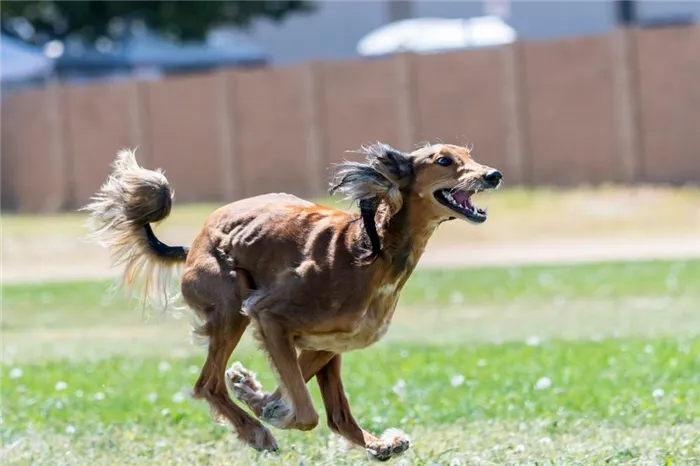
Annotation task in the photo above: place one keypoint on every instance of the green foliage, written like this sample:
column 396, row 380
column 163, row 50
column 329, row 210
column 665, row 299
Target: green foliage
column 185, row 20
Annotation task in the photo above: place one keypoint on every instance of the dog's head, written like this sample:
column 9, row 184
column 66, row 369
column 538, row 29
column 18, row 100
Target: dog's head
column 442, row 178
column 449, row 177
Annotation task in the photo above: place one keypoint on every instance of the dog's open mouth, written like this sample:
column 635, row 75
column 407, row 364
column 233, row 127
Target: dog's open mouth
column 461, row 202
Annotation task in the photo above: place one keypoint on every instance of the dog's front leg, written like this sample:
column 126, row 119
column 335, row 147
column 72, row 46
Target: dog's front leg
column 340, row 420
column 295, row 410
column 246, row 388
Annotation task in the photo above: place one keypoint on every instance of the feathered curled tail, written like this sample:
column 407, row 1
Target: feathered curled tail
column 120, row 217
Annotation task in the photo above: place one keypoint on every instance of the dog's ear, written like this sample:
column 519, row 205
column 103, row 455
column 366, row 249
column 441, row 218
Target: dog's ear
column 384, row 176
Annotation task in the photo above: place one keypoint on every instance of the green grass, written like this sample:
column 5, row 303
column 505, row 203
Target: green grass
column 622, row 384
column 61, row 304
column 592, row 364
column 612, row 381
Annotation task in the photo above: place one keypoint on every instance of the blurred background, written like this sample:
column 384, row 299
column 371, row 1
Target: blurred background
column 587, row 267
column 234, row 99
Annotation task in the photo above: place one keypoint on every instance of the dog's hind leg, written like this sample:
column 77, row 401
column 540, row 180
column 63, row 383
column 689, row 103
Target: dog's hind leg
column 247, row 389
column 342, row 422
column 224, row 326
column 211, row 385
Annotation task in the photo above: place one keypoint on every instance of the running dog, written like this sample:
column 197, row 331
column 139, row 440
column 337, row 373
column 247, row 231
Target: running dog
column 308, row 278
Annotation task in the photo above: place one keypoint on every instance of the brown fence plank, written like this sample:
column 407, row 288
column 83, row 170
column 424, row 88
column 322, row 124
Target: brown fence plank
column 462, row 100
column 360, row 102
column 99, row 123
column 572, row 111
column 669, row 100
column 33, row 168
column 271, row 125
column 183, row 117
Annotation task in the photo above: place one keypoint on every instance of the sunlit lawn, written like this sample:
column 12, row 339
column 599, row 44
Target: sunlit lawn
column 595, row 364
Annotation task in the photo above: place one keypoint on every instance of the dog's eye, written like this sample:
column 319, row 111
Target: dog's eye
column 444, row 161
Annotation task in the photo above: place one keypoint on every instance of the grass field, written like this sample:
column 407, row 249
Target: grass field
column 591, row 364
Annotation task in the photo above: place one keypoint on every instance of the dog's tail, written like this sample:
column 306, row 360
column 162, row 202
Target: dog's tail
column 120, row 218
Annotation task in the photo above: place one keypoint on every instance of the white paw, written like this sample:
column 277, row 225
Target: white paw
column 243, row 384
column 393, row 443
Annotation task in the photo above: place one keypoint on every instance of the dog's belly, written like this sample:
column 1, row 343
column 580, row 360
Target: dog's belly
column 363, row 336
column 370, row 328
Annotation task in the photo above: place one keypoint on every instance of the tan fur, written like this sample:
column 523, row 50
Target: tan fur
column 131, row 198
column 295, row 270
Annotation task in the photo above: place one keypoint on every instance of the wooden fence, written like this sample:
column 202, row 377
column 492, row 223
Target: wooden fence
column 618, row 108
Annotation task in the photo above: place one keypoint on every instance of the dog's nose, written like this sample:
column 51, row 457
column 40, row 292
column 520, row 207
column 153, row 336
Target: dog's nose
column 493, row 177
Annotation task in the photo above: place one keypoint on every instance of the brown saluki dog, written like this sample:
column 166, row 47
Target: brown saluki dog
column 309, row 278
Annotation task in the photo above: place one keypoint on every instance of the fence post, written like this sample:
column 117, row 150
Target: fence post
column 626, row 82
column 234, row 159
column 61, row 163
column 313, row 87
column 519, row 153
column 141, row 110
column 406, row 103
column 138, row 120
column 226, row 133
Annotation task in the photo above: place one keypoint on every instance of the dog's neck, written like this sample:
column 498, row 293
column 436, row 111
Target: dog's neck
column 404, row 235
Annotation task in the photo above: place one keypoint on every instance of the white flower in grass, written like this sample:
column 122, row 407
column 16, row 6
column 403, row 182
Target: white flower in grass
column 546, row 441
column 78, row 393
column 481, row 362
column 99, row 396
column 194, row 369
column 457, row 380
column 543, row 384
column 165, row 412
column 163, row 366
column 520, row 448
column 658, row 393
column 70, row 430
column 179, row 397
column 60, row 386
column 533, row 341
column 400, row 387
column 16, row 373
column 152, row 397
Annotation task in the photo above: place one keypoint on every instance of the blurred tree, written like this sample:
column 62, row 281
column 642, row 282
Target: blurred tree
column 40, row 21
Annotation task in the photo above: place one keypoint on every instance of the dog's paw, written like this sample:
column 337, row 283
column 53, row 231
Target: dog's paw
column 277, row 413
column 243, row 384
column 392, row 443
column 260, row 439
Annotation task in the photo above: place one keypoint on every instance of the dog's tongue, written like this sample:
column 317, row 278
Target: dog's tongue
column 461, row 197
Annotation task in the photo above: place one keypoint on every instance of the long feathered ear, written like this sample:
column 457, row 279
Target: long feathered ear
column 383, row 177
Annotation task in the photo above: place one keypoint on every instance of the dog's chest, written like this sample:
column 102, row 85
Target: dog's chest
column 369, row 329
